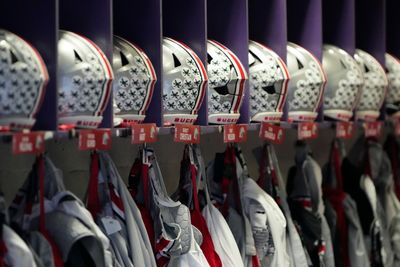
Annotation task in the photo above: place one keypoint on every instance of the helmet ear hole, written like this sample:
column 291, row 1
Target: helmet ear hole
column 366, row 68
column 255, row 56
column 177, row 63
column 78, row 58
column 222, row 90
column 14, row 58
column 299, row 64
column 269, row 89
column 124, row 59
column 343, row 65
column 209, row 59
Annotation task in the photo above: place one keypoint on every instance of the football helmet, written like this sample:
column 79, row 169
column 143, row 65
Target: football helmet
column 23, row 78
column 184, row 83
column 374, row 89
column 393, row 94
column 134, row 82
column 85, row 81
column 226, row 85
column 268, row 80
column 306, row 84
column 345, row 81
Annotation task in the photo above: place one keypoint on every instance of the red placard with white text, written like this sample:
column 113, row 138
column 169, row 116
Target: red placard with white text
column 235, row 133
column 28, row 143
column 187, row 133
column 272, row 133
column 373, row 129
column 307, row 130
column 344, row 130
column 144, row 133
column 95, row 139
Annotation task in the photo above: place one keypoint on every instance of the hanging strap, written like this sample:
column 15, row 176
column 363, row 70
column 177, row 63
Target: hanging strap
column 193, row 174
column 40, row 165
column 202, row 174
column 336, row 160
column 93, row 202
column 146, row 185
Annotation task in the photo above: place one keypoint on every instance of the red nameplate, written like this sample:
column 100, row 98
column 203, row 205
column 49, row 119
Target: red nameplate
column 28, row 143
column 144, row 133
column 235, row 133
column 187, row 133
column 344, row 130
column 95, row 139
column 273, row 133
column 373, row 129
column 307, row 130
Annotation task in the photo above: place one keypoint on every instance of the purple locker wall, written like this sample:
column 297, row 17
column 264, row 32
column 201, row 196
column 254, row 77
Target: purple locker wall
column 339, row 24
column 371, row 31
column 267, row 24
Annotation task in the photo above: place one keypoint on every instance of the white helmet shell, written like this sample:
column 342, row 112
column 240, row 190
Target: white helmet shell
column 393, row 94
column 135, row 78
column 226, row 86
column 345, row 81
column 306, row 85
column 23, row 78
column 184, row 83
column 269, row 79
column 374, row 89
column 85, row 81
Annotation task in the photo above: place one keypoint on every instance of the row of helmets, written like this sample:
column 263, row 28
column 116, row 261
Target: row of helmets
column 87, row 80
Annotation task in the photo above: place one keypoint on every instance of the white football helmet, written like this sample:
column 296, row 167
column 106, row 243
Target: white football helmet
column 184, row 83
column 393, row 94
column 269, row 79
column 135, row 78
column 345, row 81
column 306, row 85
column 23, row 78
column 374, row 89
column 226, row 85
column 85, row 81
